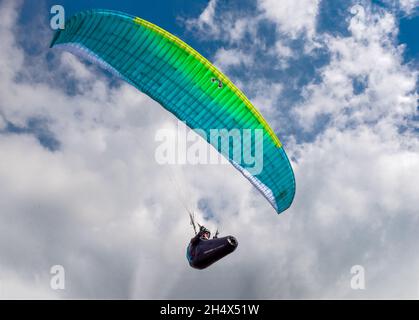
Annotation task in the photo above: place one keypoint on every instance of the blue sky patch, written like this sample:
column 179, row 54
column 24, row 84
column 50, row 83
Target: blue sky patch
column 37, row 127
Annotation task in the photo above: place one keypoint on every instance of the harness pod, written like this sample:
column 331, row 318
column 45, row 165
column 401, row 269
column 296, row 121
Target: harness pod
column 203, row 253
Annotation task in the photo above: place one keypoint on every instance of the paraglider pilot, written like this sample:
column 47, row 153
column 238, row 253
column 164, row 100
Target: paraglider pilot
column 203, row 251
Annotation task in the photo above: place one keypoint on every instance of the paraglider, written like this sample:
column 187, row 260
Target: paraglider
column 190, row 87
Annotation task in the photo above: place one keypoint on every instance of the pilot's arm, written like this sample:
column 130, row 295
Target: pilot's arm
column 197, row 237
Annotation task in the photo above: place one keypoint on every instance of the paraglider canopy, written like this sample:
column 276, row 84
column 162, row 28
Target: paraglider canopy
column 184, row 83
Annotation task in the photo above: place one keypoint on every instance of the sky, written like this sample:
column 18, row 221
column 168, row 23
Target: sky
column 80, row 186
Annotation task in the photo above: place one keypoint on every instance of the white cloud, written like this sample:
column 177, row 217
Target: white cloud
column 226, row 58
column 370, row 55
column 226, row 25
column 409, row 5
column 14, row 286
column 406, row 6
column 206, row 20
column 282, row 51
column 3, row 123
column 292, row 17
